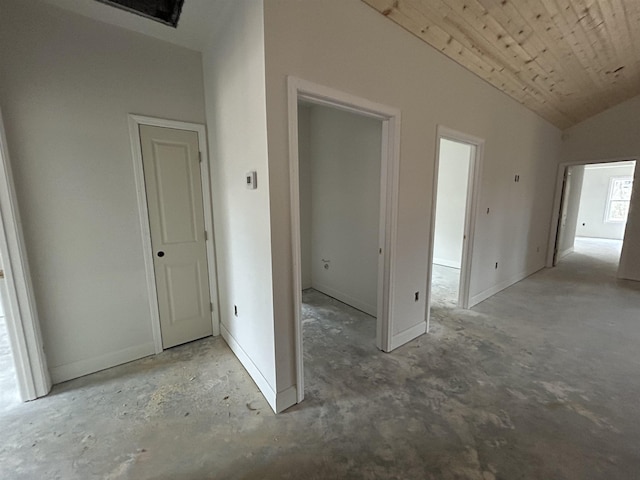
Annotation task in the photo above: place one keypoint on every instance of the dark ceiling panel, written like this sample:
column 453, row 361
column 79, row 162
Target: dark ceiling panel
column 163, row 11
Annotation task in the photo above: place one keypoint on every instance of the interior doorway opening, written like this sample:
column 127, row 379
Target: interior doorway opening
column 455, row 193
column 339, row 156
column 451, row 210
column 378, row 122
column 595, row 200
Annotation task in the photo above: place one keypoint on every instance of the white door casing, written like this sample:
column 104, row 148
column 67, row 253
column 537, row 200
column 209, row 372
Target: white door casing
column 473, row 195
column 176, row 219
column 387, row 339
column 23, row 324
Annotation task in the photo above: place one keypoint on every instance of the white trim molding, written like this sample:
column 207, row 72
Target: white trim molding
column 19, row 303
column 390, row 118
column 69, row 371
column 279, row 401
column 491, row 291
column 143, row 209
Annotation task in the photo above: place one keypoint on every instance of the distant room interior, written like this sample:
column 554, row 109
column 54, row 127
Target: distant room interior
column 339, row 158
column 451, row 211
column 595, row 206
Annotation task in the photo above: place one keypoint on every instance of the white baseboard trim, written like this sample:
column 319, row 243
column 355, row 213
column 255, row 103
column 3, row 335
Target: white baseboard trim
column 565, row 252
column 251, row 368
column 490, row 292
column 69, row 371
column 409, row 334
column 348, row 299
column 447, row 263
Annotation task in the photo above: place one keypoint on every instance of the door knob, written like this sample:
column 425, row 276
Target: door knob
column 161, row 254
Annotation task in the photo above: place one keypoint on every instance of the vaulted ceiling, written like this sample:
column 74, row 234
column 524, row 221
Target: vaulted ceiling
column 564, row 59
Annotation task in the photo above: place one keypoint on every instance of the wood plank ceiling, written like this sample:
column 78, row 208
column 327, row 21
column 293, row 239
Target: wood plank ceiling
column 566, row 60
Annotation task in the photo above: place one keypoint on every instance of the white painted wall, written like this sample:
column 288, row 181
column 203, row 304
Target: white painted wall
column 304, row 159
column 236, row 116
column 66, row 87
column 593, row 202
column 573, row 192
column 382, row 62
column 612, row 134
column 451, row 204
column 343, row 159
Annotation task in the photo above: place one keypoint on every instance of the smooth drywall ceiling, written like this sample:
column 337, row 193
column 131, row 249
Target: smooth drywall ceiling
column 593, row 201
column 352, row 48
column 304, row 160
column 451, row 204
column 612, row 134
column 236, row 117
column 570, row 207
column 67, row 84
column 344, row 155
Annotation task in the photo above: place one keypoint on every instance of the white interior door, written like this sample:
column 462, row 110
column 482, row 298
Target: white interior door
column 171, row 164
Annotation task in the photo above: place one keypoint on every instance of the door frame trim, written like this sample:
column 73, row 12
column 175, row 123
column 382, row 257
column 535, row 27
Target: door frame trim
column 143, row 209
column 471, row 212
column 554, row 230
column 21, row 314
column 298, row 89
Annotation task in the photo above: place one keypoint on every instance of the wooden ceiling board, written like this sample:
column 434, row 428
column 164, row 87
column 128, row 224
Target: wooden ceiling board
column 566, row 60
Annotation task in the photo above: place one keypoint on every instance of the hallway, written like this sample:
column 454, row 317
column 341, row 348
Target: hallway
column 537, row 382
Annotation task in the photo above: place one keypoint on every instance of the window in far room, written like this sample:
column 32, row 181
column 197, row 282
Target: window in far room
column 619, row 198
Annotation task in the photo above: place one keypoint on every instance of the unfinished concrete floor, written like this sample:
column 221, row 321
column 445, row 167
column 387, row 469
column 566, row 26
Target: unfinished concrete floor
column 539, row 382
column 445, row 282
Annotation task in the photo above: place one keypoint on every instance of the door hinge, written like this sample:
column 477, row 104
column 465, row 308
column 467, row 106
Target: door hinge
column 206, row 236
column 1, row 274
column 211, row 306
column 200, row 157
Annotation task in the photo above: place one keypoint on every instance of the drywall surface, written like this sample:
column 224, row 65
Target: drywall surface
column 67, row 84
column 569, row 219
column 344, row 161
column 451, row 204
column 235, row 100
column 352, row 48
column 304, row 159
column 612, row 134
column 593, row 202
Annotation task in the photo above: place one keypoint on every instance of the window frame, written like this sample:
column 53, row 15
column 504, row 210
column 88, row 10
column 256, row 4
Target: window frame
column 611, row 200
